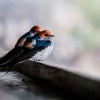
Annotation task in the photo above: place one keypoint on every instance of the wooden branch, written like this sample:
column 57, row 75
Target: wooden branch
column 74, row 84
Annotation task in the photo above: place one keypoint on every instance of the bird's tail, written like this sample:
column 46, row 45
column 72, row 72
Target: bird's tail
column 4, row 61
column 12, row 66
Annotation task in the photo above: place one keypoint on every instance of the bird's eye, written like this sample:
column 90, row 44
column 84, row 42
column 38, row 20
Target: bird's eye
column 46, row 35
column 33, row 30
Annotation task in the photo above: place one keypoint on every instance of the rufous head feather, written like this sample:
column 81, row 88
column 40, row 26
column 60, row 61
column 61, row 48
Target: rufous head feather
column 36, row 28
column 46, row 34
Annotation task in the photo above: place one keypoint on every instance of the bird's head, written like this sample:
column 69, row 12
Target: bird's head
column 46, row 34
column 36, row 29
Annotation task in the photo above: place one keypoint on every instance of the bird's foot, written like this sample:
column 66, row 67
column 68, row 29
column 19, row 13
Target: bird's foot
column 40, row 60
column 24, row 80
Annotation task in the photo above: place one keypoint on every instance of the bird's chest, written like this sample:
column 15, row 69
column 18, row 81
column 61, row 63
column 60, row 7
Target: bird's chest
column 41, row 55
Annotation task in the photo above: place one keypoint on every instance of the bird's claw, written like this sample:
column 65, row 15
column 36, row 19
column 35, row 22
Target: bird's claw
column 24, row 80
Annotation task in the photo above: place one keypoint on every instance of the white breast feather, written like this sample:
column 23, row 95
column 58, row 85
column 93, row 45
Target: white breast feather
column 42, row 55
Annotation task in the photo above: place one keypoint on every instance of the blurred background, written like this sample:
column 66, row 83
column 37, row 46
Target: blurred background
column 75, row 24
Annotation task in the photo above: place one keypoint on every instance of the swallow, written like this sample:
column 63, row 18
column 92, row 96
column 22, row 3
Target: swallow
column 36, row 48
column 19, row 45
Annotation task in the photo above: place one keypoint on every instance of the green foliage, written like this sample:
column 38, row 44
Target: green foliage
column 87, row 39
column 91, row 9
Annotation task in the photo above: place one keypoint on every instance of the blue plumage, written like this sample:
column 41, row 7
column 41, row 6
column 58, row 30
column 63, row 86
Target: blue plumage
column 39, row 42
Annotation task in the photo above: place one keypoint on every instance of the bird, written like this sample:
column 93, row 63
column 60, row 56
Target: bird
column 36, row 48
column 19, row 45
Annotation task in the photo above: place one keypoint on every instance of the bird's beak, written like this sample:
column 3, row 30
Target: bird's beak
column 51, row 35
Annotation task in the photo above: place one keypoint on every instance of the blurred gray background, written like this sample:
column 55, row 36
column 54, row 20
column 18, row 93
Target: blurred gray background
column 75, row 24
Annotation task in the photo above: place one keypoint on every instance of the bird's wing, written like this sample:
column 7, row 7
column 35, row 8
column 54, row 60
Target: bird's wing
column 10, row 56
column 26, row 54
column 22, row 39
